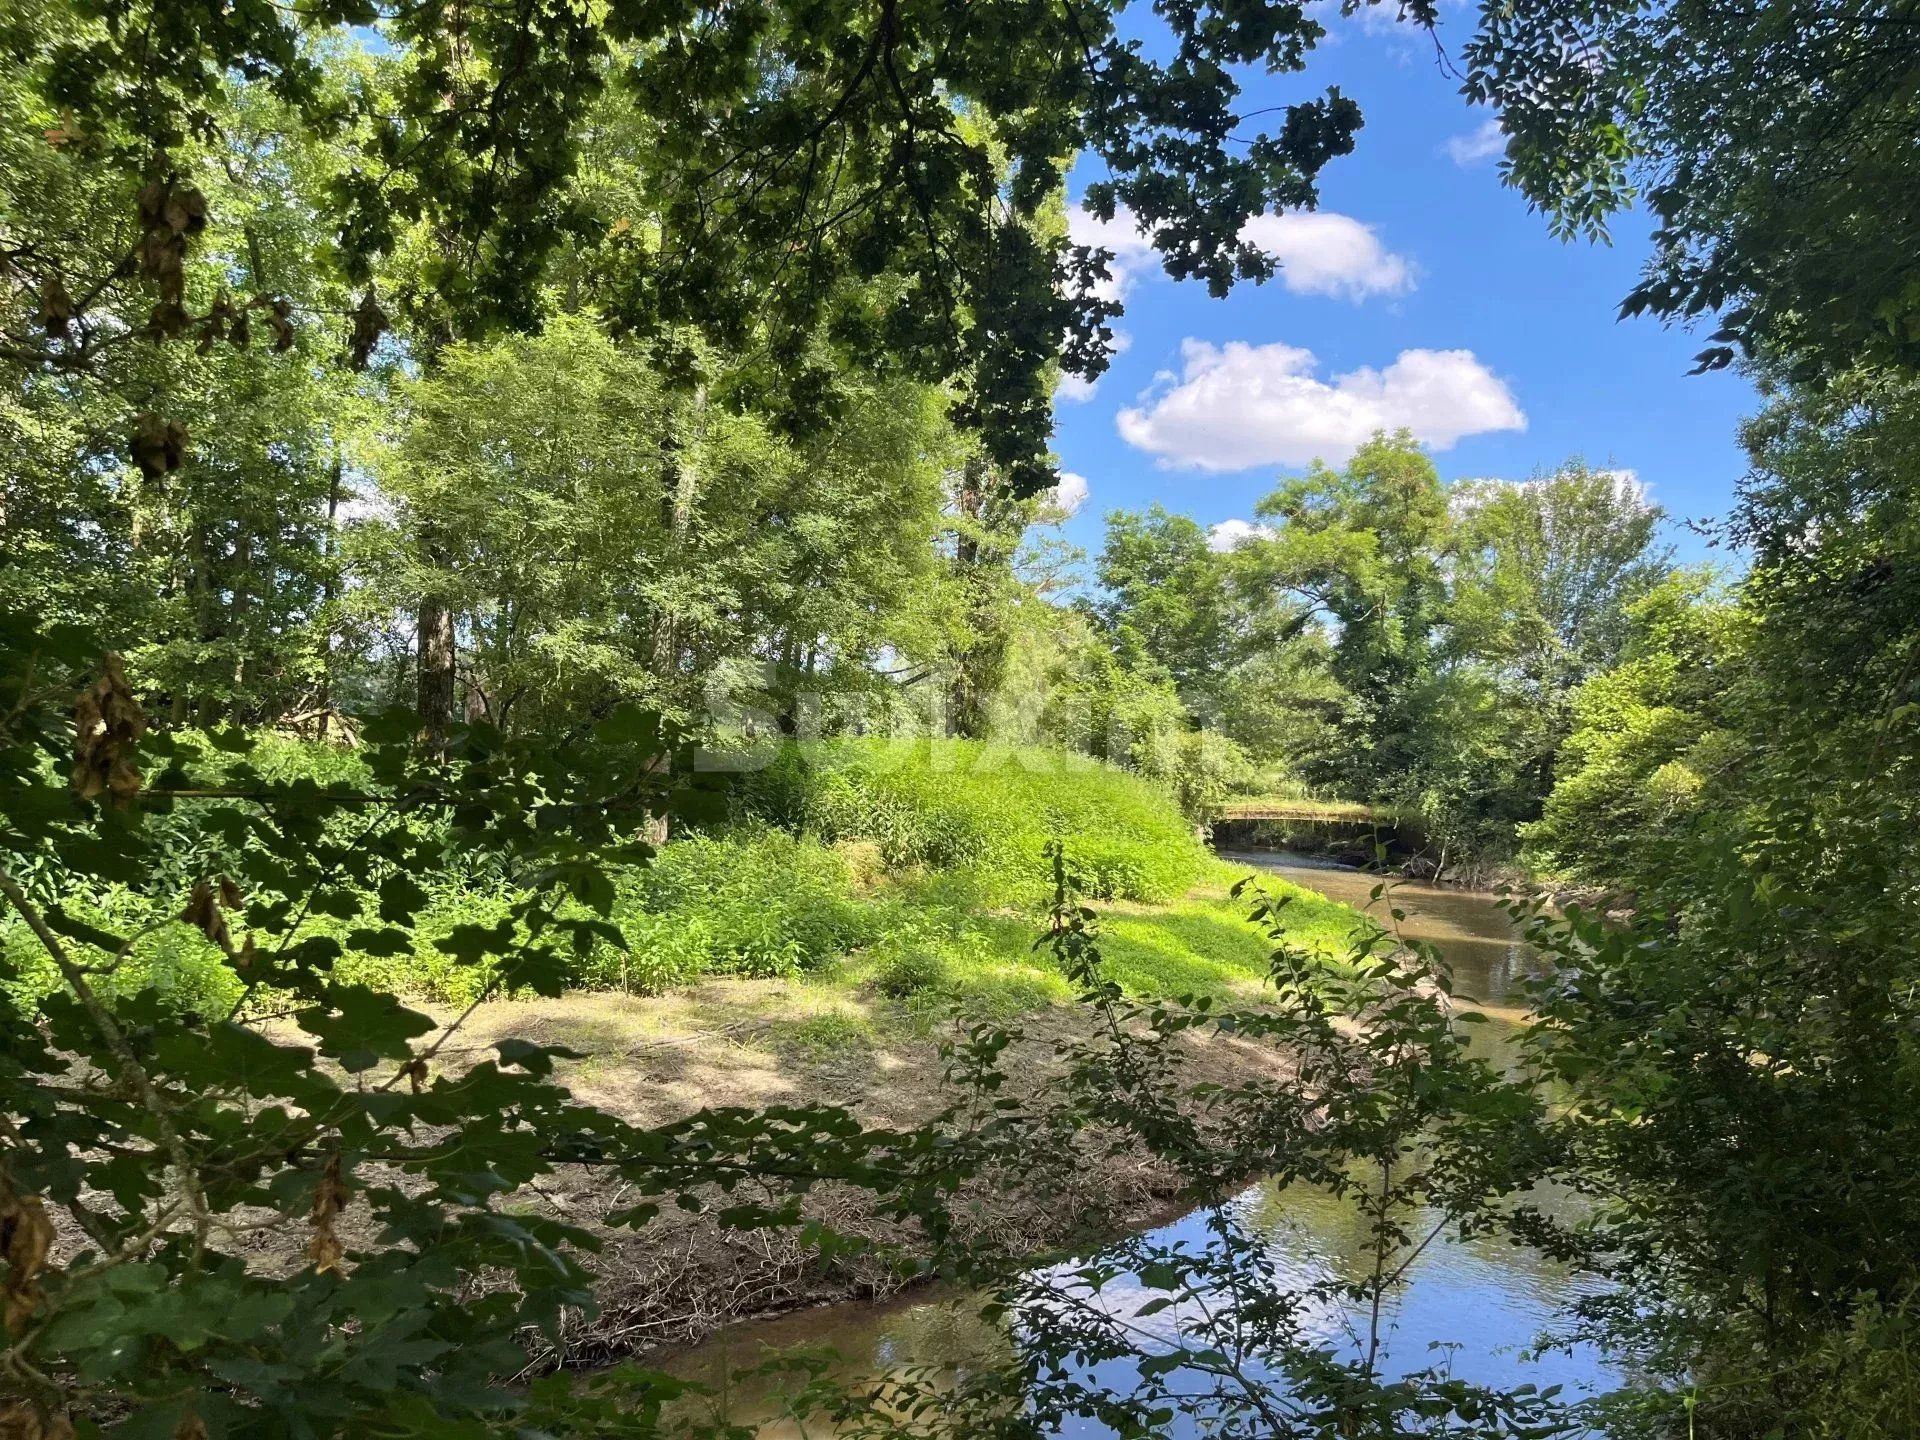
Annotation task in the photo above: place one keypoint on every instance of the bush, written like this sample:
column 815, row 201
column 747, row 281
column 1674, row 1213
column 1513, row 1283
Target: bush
column 753, row 902
column 910, row 972
column 984, row 810
column 173, row 960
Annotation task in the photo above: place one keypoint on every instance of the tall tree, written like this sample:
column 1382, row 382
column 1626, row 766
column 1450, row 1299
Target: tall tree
column 541, row 486
column 211, row 577
column 987, row 525
column 1169, row 602
column 1363, row 548
column 1544, row 574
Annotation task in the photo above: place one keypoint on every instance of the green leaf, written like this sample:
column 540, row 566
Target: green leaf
column 358, row 1025
column 401, row 898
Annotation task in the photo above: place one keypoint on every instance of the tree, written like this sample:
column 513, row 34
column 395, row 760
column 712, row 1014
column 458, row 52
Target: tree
column 791, row 157
column 542, row 490
column 214, row 578
column 1546, row 571
column 1543, row 578
column 1739, row 1053
column 1362, row 547
column 1241, row 654
column 1773, row 149
column 1457, row 624
column 987, row 524
column 1647, row 743
column 1168, row 602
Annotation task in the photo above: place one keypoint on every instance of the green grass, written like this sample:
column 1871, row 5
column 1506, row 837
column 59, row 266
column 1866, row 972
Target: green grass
column 915, row 880
column 984, row 812
column 1204, row 944
column 828, row 1035
column 1201, row 944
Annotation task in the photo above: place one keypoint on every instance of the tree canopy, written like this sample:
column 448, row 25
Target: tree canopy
column 877, row 178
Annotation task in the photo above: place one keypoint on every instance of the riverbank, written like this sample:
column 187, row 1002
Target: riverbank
column 1483, row 1297
column 851, row 1036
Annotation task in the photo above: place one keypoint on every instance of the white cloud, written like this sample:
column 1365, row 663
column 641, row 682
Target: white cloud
column 1321, row 252
column 1477, row 145
column 1073, row 390
column 1629, row 485
column 1122, row 234
column 1237, row 405
column 1232, row 534
column 1071, row 493
column 1325, row 253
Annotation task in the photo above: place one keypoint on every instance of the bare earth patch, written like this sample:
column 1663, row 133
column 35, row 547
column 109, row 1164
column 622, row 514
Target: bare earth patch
column 753, row 1043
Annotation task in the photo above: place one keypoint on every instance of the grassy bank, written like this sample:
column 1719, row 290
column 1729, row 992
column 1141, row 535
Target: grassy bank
column 911, row 872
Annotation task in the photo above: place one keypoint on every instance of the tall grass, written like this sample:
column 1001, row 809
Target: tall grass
column 984, row 811
column 919, row 866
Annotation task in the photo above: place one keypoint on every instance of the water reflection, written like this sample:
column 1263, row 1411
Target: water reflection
column 1473, row 1306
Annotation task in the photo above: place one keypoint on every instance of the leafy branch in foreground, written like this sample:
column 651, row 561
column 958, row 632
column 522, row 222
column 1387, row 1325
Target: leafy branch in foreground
column 293, row 1220
column 306, row 1217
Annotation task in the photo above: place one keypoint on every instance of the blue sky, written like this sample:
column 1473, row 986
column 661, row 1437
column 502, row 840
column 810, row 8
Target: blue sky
column 1432, row 297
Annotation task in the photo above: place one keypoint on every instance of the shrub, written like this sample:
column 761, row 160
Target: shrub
column 172, row 960
column 756, row 901
column 909, row 972
column 662, row 951
column 986, row 810
column 1201, row 768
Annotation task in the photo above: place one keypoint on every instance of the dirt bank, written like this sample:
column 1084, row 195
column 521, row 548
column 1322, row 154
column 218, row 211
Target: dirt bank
column 747, row 1043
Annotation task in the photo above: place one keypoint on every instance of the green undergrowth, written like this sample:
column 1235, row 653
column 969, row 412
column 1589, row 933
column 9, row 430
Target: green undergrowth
column 983, row 811
column 913, row 877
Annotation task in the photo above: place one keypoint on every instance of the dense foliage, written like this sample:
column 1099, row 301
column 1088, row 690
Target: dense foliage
column 1383, row 637
column 1739, row 1049
column 519, row 363
column 988, row 811
column 814, row 187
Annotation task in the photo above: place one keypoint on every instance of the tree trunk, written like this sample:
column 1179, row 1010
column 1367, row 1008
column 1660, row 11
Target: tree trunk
column 242, row 605
column 329, row 591
column 201, row 705
column 980, row 556
column 679, row 494
column 435, row 670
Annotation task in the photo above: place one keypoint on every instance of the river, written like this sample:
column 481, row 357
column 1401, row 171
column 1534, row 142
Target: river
column 1485, row 1298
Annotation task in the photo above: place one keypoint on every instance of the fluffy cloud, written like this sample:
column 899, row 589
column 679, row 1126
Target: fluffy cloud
column 1629, row 484
column 1324, row 253
column 1477, row 145
column 1071, row 493
column 1237, row 405
column 1232, row 534
column 1320, row 252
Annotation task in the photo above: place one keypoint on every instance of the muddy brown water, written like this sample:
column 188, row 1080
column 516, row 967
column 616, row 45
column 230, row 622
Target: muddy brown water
column 1485, row 1300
